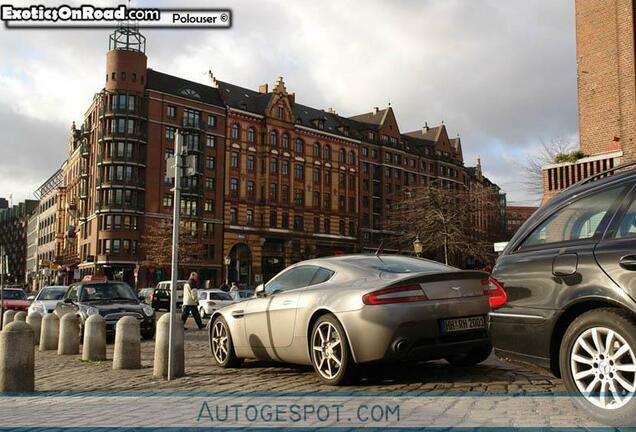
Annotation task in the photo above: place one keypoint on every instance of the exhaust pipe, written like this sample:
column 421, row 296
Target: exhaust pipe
column 400, row 346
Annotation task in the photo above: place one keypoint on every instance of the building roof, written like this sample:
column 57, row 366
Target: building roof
column 375, row 117
column 427, row 134
column 183, row 88
column 243, row 98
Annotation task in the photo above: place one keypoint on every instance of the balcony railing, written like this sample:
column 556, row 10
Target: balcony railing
column 192, row 123
column 135, row 158
column 139, row 134
column 104, row 182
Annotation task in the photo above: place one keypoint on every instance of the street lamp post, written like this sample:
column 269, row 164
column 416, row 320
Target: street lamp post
column 227, row 261
column 418, row 246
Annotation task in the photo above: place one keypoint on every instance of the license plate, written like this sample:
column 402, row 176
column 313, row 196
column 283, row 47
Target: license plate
column 462, row 324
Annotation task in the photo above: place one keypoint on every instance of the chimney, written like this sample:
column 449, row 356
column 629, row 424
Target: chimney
column 375, row 110
column 425, row 128
column 212, row 79
column 262, row 88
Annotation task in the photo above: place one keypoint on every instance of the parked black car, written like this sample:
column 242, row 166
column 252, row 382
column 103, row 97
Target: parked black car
column 570, row 276
column 157, row 298
column 112, row 300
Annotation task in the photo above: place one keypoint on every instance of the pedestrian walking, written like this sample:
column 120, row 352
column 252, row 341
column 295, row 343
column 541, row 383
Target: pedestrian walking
column 191, row 300
column 234, row 287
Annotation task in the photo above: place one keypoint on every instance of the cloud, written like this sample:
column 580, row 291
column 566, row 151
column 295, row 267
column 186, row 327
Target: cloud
column 501, row 74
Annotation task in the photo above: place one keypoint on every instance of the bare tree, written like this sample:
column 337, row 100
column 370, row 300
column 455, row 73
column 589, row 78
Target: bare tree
column 550, row 152
column 157, row 244
column 450, row 222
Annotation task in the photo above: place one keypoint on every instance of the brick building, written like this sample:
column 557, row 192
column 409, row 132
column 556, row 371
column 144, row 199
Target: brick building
column 606, row 76
column 515, row 217
column 276, row 181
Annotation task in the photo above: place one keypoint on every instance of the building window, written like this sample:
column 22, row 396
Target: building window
column 209, row 206
column 299, row 172
column 300, row 147
column 210, row 162
column 281, row 112
column 250, row 163
column 285, row 221
column 285, row 141
column 235, row 131
column 342, row 228
column 327, row 153
column 211, row 141
column 233, row 216
column 341, row 203
column 171, row 111
column 352, row 182
column 341, row 179
column 316, row 175
column 327, row 226
column 328, row 177
column 167, row 200
column 317, row 151
column 352, row 229
column 299, row 197
column 273, row 166
column 316, row 224
column 298, row 223
column 249, row 217
column 341, row 156
column 285, row 193
column 316, row 200
column 272, row 219
column 285, row 167
column 273, row 138
column 327, row 201
column 251, row 135
column 212, row 121
column 250, row 188
column 170, row 132
column 352, row 158
column 365, row 151
column 210, row 183
column 234, row 186
column 191, row 118
column 273, row 191
column 234, row 160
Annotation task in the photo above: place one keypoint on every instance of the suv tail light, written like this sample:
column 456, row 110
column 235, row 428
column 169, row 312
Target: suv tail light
column 400, row 294
column 210, row 302
column 495, row 291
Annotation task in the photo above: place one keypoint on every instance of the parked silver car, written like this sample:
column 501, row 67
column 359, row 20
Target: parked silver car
column 335, row 313
column 47, row 298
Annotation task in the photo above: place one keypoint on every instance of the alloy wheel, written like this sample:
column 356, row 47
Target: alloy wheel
column 220, row 342
column 327, row 350
column 604, row 367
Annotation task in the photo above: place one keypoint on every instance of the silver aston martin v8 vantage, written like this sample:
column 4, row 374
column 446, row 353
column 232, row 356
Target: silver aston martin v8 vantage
column 338, row 312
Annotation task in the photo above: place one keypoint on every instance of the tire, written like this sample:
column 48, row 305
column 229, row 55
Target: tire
column 328, row 345
column 224, row 357
column 202, row 313
column 472, row 357
column 606, row 367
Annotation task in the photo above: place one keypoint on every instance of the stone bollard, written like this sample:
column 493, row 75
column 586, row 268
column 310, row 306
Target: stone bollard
column 127, row 353
column 94, row 348
column 69, row 340
column 34, row 319
column 17, row 358
column 20, row 316
column 160, row 368
column 8, row 317
column 49, row 332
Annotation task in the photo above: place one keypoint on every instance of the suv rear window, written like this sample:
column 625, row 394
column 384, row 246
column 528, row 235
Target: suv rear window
column 578, row 221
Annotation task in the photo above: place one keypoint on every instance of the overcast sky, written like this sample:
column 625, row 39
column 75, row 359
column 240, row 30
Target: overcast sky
column 500, row 73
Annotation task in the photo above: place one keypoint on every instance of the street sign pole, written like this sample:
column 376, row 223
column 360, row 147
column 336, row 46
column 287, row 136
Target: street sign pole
column 2, row 266
column 176, row 204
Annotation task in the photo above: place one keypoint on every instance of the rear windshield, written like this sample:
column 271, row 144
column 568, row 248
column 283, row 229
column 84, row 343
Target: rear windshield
column 14, row 295
column 220, row 296
column 107, row 291
column 52, row 293
column 393, row 264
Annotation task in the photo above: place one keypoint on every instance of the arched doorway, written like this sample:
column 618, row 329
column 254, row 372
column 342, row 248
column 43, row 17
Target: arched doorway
column 240, row 268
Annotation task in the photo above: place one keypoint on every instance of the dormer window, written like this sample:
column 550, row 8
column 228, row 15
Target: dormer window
column 281, row 112
column 188, row 92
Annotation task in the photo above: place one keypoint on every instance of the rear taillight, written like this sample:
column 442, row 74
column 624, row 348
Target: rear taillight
column 497, row 296
column 210, row 302
column 152, row 297
column 400, row 294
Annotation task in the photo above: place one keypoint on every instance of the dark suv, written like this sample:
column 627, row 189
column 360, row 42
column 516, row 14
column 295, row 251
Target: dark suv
column 112, row 300
column 570, row 276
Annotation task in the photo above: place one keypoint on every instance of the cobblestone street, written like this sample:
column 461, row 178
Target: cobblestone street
column 59, row 373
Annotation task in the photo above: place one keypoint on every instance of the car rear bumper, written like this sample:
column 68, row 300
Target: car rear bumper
column 406, row 331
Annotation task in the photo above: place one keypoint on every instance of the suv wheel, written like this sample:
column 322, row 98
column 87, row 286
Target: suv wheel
column 598, row 363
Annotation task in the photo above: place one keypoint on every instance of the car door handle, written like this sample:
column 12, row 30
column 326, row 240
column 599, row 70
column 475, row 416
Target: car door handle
column 565, row 264
column 287, row 302
column 628, row 262
column 238, row 313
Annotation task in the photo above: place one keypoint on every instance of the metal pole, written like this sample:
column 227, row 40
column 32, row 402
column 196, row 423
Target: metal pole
column 175, row 252
column 2, row 265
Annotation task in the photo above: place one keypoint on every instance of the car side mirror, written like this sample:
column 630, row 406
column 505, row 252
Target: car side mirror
column 260, row 290
column 31, row 298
